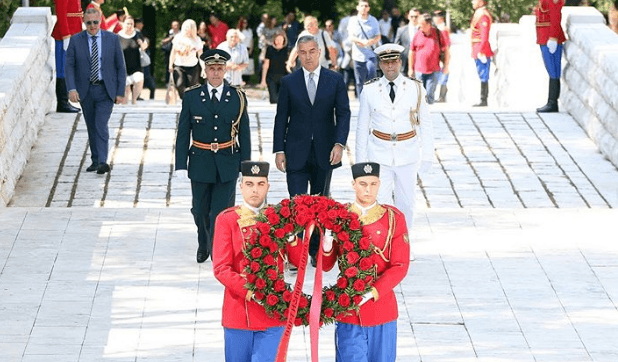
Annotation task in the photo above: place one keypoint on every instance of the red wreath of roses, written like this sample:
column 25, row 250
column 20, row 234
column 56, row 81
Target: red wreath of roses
column 275, row 224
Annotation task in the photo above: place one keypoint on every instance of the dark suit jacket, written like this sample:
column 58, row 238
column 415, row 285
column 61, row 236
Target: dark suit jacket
column 200, row 120
column 403, row 38
column 298, row 123
column 77, row 64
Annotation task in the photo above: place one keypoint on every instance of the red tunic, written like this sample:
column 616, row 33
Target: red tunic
column 392, row 256
column 217, row 33
column 481, row 25
column 69, row 14
column 548, row 18
column 232, row 229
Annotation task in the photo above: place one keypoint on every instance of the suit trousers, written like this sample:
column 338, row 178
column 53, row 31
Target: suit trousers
column 315, row 176
column 209, row 199
column 251, row 346
column 97, row 107
column 399, row 182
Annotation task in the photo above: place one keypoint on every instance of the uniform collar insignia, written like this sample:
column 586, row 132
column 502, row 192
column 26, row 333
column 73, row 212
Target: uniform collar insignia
column 227, row 94
column 202, row 94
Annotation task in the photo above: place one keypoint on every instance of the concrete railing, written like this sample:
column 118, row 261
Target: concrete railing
column 27, row 91
column 590, row 77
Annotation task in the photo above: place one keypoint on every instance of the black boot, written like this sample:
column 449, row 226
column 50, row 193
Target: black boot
column 552, row 100
column 484, row 93
column 62, row 96
column 443, row 91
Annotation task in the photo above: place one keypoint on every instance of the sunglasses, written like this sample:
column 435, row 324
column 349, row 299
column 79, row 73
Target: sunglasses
column 93, row 22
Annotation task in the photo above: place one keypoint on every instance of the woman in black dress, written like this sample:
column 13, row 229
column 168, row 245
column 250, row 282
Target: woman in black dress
column 131, row 41
column 273, row 68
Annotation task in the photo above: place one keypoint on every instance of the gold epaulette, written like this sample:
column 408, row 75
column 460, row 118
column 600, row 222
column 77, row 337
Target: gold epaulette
column 372, row 80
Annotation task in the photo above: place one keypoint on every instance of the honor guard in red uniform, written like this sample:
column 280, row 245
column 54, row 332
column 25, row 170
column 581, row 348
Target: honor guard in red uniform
column 371, row 333
column 481, row 50
column 250, row 334
column 69, row 22
column 550, row 37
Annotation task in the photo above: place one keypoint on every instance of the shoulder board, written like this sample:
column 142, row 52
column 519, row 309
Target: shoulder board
column 414, row 79
column 372, row 80
column 193, row 87
column 393, row 208
column 237, row 87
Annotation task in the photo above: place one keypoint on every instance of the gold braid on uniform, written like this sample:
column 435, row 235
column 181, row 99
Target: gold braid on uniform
column 372, row 80
column 389, row 238
column 235, row 125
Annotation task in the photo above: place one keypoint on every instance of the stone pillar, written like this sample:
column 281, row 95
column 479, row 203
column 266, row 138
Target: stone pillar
column 27, row 90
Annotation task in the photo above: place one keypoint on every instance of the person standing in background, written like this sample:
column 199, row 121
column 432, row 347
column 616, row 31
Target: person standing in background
column 404, row 37
column 386, row 27
column 325, row 44
column 239, row 59
column 149, row 81
column 274, row 66
column 131, row 42
column 217, row 30
column 166, row 46
column 202, row 32
column 69, row 23
column 96, row 77
column 291, row 26
column 438, row 19
column 550, row 37
column 481, row 50
column 184, row 60
column 364, row 33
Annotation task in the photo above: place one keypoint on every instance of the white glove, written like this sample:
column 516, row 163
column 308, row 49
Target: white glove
column 327, row 241
column 482, row 58
column 366, row 297
column 65, row 43
column 425, row 167
column 181, row 174
column 552, row 45
column 291, row 238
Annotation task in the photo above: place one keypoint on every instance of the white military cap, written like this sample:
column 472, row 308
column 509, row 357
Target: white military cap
column 389, row 51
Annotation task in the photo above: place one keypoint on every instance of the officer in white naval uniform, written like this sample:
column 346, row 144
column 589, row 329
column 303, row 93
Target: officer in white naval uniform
column 395, row 130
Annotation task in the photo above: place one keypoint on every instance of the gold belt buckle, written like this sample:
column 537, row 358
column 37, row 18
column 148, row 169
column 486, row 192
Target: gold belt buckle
column 214, row 147
column 394, row 137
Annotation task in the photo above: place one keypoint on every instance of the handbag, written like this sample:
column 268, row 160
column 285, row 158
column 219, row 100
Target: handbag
column 144, row 59
column 171, row 95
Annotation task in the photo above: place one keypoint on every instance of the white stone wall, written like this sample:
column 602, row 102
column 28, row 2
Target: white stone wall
column 590, row 78
column 27, row 90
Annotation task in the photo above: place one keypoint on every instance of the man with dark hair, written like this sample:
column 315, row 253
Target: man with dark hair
column 481, row 50
column 364, row 33
column 217, row 30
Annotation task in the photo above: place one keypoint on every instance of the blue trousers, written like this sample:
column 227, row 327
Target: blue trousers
column 252, row 346
column 59, row 59
column 483, row 69
column 366, row 344
column 553, row 62
column 442, row 78
column 364, row 71
column 97, row 107
column 430, row 81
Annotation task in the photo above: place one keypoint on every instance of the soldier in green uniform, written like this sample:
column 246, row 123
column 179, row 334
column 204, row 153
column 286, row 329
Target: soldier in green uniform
column 213, row 135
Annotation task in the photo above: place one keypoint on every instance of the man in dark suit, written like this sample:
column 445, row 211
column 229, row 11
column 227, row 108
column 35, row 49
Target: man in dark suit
column 215, row 116
column 405, row 35
column 311, row 125
column 95, row 75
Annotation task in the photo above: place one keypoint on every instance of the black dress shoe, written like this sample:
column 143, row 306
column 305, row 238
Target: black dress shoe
column 103, row 168
column 66, row 108
column 92, row 167
column 202, row 256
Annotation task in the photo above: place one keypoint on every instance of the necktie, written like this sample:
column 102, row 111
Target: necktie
column 94, row 61
column 311, row 88
column 215, row 101
column 392, row 92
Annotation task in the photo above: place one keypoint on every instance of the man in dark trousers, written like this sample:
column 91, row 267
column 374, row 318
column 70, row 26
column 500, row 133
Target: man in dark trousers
column 214, row 116
column 95, row 75
column 69, row 23
column 311, row 125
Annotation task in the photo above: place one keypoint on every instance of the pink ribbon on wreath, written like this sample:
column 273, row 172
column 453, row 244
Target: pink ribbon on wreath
column 316, row 300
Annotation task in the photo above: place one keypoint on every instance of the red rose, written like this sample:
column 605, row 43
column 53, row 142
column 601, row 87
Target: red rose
column 269, row 260
column 260, row 283
column 352, row 257
column 279, row 286
column 301, row 219
column 269, row 211
column 343, row 236
column 285, row 211
column 328, row 312
column 368, row 279
column 357, row 299
column 272, row 300
column 351, row 272
column 330, row 295
column 328, row 225
column 256, row 253
column 332, row 214
column 322, row 216
column 273, row 219
column 272, row 274
column 258, row 295
column 265, row 240
column 348, row 246
column 303, row 302
column 255, row 266
column 288, row 228
column 355, row 224
column 251, row 278
column 364, row 243
column 286, row 312
column 263, row 227
column 359, row 285
column 344, row 300
column 272, row 247
column 287, row 297
column 336, row 228
column 342, row 283
column 343, row 213
column 285, row 202
column 322, row 206
column 365, row 264
column 280, row 233
column 298, row 322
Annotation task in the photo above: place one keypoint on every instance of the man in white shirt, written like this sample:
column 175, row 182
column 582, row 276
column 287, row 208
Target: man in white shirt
column 364, row 33
column 325, row 44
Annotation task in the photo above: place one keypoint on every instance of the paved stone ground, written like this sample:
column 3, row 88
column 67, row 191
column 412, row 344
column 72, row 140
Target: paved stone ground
column 515, row 246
